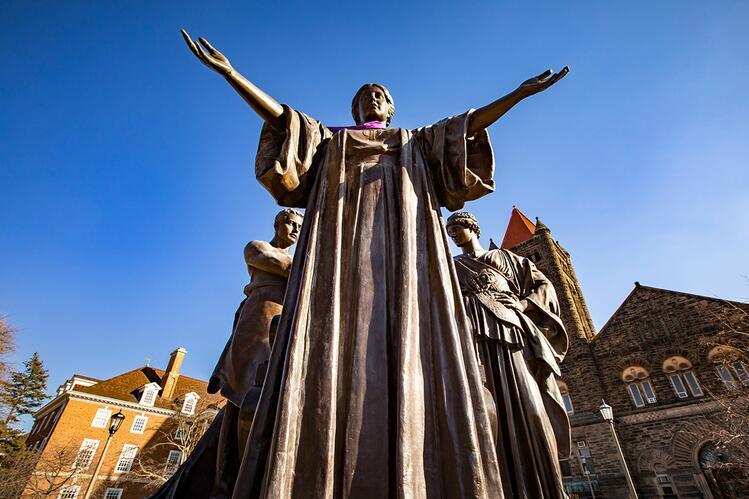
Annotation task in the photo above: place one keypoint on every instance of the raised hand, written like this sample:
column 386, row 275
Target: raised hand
column 485, row 116
column 541, row 82
column 208, row 55
column 263, row 104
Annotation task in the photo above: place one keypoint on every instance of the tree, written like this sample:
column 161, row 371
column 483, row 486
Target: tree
column 26, row 390
column 37, row 474
column 179, row 433
column 7, row 346
column 726, row 457
column 22, row 395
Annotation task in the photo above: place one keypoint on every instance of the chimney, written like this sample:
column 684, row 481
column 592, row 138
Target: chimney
column 171, row 375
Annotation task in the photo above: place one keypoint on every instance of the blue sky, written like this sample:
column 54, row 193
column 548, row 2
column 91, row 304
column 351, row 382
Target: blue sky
column 127, row 166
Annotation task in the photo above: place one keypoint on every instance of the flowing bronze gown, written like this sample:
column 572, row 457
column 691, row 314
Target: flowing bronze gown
column 373, row 389
column 520, row 353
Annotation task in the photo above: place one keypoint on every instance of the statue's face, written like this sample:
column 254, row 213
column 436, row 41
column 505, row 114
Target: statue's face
column 372, row 105
column 287, row 229
column 460, row 235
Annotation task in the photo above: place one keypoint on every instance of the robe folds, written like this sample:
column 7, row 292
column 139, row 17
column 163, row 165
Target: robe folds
column 373, row 389
column 520, row 353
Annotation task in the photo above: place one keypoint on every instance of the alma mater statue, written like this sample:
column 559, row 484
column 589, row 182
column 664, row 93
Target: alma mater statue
column 514, row 316
column 373, row 389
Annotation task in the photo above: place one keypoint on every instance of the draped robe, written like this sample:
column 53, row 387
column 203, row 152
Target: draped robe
column 373, row 389
column 520, row 353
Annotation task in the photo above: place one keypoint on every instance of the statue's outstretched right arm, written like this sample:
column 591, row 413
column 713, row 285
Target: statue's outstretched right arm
column 263, row 104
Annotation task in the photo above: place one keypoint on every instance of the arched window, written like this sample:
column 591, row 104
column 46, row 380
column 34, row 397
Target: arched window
column 638, row 385
column 731, row 370
column 565, row 391
column 681, row 374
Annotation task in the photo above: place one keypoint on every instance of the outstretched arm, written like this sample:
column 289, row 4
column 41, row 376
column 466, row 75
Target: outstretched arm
column 482, row 118
column 263, row 104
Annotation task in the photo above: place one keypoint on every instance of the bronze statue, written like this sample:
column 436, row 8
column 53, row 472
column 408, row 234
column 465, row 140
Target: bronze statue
column 514, row 316
column 212, row 467
column 268, row 264
column 373, row 389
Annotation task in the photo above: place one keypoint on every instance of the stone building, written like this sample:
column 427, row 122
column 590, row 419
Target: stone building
column 665, row 361
column 71, row 431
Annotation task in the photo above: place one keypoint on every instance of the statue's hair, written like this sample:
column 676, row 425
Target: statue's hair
column 465, row 219
column 285, row 214
column 357, row 96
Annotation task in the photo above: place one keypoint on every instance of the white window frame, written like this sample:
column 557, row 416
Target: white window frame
column 171, row 467
column 681, row 389
column 66, row 491
column 639, row 390
column 149, row 395
column 101, row 418
column 741, row 372
column 665, row 480
column 726, row 376
column 568, row 407
column 89, row 445
column 113, row 493
column 127, row 457
column 136, row 420
column 190, row 403
column 694, row 387
column 638, row 398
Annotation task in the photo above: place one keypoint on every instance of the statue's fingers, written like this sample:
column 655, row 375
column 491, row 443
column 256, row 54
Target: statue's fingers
column 544, row 75
column 187, row 38
column 558, row 76
column 208, row 46
column 190, row 44
column 203, row 55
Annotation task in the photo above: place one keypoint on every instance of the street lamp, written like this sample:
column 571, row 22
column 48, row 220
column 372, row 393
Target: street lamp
column 607, row 413
column 114, row 424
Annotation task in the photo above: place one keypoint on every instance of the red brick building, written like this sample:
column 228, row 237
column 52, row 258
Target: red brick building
column 71, row 431
column 665, row 361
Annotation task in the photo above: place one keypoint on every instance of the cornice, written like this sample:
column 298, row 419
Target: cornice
column 671, row 413
column 88, row 397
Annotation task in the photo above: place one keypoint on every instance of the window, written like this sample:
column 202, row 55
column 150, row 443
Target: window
column 726, row 377
column 139, row 424
column 113, row 493
column 667, row 487
column 731, row 370
column 101, row 419
column 150, row 392
column 565, row 392
column 586, row 459
column 564, row 465
column 86, row 454
column 191, row 400
column 127, row 456
column 172, row 463
column 638, row 385
column 178, row 435
column 69, row 492
column 681, row 374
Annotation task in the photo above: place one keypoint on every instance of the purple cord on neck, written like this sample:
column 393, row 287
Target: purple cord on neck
column 363, row 126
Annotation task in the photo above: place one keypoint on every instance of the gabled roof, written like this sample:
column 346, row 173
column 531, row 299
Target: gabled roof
column 639, row 288
column 126, row 387
column 519, row 229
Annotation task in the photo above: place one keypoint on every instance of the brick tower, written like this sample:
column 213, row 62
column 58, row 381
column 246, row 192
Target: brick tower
column 581, row 377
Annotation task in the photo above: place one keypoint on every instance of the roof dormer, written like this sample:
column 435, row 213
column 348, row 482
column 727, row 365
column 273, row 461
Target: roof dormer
column 148, row 394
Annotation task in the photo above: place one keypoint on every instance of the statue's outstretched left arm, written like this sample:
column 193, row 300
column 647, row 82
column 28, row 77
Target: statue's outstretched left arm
column 485, row 116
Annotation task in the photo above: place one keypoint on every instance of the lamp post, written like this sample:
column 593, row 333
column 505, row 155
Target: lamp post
column 114, row 424
column 590, row 484
column 607, row 413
